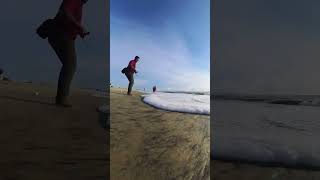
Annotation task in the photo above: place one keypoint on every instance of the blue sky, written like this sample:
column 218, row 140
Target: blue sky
column 172, row 37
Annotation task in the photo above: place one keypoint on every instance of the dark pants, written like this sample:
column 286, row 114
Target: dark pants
column 65, row 50
column 131, row 81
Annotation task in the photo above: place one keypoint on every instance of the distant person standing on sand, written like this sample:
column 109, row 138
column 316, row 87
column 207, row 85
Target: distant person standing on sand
column 66, row 27
column 129, row 72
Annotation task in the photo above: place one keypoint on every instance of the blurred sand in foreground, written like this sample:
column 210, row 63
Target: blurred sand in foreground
column 148, row 143
column 41, row 141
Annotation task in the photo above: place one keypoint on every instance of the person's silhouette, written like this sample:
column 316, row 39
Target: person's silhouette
column 129, row 72
column 1, row 74
column 65, row 29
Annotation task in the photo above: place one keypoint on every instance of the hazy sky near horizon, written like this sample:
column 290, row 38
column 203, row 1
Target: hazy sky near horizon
column 267, row 46
column 27, row 57
column 172, row 37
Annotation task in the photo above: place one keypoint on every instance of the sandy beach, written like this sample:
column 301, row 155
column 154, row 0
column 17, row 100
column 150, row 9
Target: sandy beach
column 42, row 141
column 148, row 143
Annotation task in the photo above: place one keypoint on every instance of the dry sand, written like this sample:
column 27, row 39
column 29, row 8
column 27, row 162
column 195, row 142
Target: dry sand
column 41, row 141
column 147, row 143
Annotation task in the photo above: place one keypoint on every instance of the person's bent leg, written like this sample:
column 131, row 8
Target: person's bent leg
column 65, row 50
column 129, row 79
column 131, row 82
column 68, row 69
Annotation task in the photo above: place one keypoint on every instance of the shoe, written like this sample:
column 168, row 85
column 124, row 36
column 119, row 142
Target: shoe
column 63, row 102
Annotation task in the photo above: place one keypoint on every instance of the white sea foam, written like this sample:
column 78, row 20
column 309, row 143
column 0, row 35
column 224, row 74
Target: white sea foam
column 268, row 133
column 179, row 102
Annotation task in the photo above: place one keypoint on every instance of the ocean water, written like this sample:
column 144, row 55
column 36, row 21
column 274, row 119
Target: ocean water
column 266, row 133
column 179, row 102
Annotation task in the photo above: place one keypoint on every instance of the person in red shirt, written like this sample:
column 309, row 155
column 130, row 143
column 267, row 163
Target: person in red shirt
column 66, row 27
column 130, row 70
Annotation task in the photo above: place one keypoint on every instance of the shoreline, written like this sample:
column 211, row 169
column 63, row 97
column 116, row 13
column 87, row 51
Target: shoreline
column 186, row 105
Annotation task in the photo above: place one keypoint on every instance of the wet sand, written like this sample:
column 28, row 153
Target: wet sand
column 241, row 171
column 148, row 143
column 41, row 141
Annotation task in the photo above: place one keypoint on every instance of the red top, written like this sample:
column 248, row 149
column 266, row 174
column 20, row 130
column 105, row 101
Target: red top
column 132, row 66
column 74, row 7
